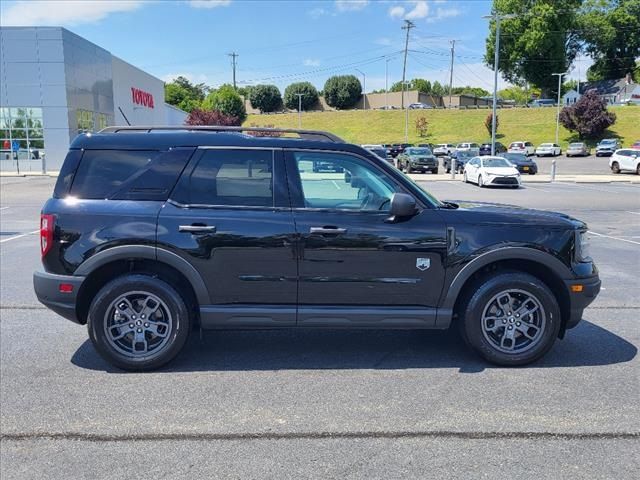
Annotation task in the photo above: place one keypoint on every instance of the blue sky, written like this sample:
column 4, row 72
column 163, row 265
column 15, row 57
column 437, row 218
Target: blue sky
column 278, row 42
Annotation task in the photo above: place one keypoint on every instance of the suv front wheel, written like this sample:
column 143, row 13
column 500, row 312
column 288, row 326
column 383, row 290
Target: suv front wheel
column 511, row 319
column 138, row 322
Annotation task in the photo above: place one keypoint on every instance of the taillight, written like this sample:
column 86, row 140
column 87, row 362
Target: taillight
column 46, row 233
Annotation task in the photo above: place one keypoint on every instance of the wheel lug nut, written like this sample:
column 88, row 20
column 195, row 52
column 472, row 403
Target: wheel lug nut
column 518, row 324
column 139, row 330
column 510, row 327
column 131, row 325
column 133, row 316
column 142, row 316
column 504, row 321
column 517, row 314
column 146, row 325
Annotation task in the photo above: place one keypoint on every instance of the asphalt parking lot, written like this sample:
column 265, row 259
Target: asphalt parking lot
column 328, row 404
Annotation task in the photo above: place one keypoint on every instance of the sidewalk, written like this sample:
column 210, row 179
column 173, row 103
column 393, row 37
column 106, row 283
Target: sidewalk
column 29, row 174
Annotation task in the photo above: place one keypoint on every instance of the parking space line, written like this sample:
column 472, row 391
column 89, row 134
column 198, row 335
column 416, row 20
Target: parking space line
column 3, row 208
column 634, row 213
column 614, row 238
column 15, row 237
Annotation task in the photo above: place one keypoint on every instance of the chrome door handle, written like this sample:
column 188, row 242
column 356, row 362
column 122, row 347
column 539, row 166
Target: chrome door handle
column 327, row 230
column 196, row 229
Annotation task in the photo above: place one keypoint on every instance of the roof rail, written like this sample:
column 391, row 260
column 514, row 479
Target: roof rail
column 317, row 135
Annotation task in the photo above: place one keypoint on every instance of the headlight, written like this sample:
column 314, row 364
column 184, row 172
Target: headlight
column 583, row 246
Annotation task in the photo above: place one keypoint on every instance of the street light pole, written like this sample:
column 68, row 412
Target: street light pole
column 558, row 107
column 496, row 62
column 386, row 83
column 406, row 118
column 364, row 88
column 300, row 95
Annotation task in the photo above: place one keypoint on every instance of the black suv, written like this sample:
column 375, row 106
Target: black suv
column 151, row 232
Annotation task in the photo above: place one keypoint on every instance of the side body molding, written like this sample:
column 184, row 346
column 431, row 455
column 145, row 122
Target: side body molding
column 445, row 312
column 126, row 252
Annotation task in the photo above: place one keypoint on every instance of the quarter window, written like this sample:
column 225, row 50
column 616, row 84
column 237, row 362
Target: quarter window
column 233, row 177
column 343, row 182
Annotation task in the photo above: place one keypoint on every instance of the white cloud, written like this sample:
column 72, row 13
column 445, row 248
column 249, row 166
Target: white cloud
column 351, row 5
column 384, row 41
column 209, row 3
column 311, row 62
column 420, row 10
column 396, row 12
column 63, row 12
column 442, row 13
column 317, row 12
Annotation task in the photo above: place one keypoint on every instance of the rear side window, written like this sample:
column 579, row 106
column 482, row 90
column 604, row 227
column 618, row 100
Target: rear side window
column 234, row 178
column 102, row 172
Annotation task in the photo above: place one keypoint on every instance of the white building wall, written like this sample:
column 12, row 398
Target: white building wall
column 140, row 112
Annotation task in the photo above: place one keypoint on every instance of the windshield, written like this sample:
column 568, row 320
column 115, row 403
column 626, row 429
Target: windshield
column 546, row 144
column 576, row 145
column 464, row 154
column 495, row 162
column 418, row 151
column 607, row 141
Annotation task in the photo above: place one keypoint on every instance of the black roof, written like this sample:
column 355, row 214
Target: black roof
column 162, row 140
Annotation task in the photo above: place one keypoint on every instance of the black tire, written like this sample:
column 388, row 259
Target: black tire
column 615, row 167
column 448, row 170
column 472, row 311
column 178, row 320
column 480, row 182
column 434, row 171
column 638, row 169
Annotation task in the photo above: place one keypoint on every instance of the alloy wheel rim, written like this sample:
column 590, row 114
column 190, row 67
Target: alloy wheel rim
column 138, row 324
column 513, row 321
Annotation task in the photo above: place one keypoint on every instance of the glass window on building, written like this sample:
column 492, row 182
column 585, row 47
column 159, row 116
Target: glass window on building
column 88, row 121
column 21, row 139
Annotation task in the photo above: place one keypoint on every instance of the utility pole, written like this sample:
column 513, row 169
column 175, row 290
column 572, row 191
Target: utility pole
column 453, row 47
column 386, row 82
column 408, row 25
column 364, row 88
column 233, row 56
column 558, row 109
column 300, row 95
column 496, row 62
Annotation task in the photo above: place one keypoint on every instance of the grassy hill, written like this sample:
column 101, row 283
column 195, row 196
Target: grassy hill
column 537, row 125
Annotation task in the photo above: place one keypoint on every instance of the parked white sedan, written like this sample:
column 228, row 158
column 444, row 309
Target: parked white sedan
column 491, row 171
column 548, row 149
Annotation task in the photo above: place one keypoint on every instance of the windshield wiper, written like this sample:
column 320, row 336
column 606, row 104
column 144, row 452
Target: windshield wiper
column 449, row 205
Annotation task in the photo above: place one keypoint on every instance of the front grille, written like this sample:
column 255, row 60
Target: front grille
column 505, row 181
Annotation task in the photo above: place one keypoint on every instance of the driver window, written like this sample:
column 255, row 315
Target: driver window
column 339, row 181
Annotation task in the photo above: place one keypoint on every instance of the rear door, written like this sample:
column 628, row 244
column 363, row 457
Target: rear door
column 230, row 217
column 356, row 267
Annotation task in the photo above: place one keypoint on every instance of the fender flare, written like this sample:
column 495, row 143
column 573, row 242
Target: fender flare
column 148, row 252
column 504, row 253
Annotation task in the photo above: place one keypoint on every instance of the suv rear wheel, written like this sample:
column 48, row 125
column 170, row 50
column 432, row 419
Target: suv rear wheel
column 138, row 322
column 511, row 319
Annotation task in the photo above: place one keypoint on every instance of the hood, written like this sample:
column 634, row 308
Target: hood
column 500, row 170
column 494, row 213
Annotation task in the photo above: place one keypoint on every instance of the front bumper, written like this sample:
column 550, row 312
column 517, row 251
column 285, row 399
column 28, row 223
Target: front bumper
column 527, row 169
column 47, row 288
column 604, row 152
column 498, row 181
column 578, row 301
column 423, row 167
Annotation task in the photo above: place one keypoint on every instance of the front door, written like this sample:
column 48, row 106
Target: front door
column 355, row 266
column 229, row 216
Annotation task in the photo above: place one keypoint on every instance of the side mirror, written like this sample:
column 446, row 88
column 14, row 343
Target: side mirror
column 401, row 205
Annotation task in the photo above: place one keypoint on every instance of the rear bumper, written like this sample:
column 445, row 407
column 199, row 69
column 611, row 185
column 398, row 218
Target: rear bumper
column 581, row 300
column 47, row 288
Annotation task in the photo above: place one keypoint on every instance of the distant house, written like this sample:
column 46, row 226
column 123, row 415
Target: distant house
column 619, row 91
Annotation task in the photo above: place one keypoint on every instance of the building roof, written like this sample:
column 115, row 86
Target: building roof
column 605, row 87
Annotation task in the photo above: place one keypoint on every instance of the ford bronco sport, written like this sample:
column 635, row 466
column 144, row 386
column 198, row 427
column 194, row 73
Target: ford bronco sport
column 152, row 231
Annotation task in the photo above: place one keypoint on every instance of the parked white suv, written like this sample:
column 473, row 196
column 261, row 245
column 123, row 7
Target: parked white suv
column 550, row 149
column 444, row 149
column 625, row 160
column 473, row 148
column 522, row 147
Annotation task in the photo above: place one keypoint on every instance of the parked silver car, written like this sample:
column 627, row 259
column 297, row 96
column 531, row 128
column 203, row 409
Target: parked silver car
column 578, row 149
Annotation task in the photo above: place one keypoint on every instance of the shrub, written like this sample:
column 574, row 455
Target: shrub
column 309, row 98
column 421, row 126
column 265, row 98
column 342, row 91
column 588, row 116
column 227, row 101
column 211, row 117
column 488, row 123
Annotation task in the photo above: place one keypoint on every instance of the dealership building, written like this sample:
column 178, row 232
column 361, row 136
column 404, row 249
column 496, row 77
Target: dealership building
column 55, row 84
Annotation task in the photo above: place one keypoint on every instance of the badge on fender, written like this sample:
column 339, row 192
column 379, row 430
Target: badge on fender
column 423, row 263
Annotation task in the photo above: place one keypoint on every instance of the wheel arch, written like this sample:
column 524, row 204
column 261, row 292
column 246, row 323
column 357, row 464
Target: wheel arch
column 111, row 263
column 541, row 265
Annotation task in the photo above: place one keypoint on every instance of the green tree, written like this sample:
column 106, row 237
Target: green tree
column 342, row 91
column 226, row 100
column 183, row 94
column 309, row 95
column 419, row 84
column 475, row 91
column 265, row 98
column 611, row 32
column 539, row 41
column 438, row 89
column 518, row 94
